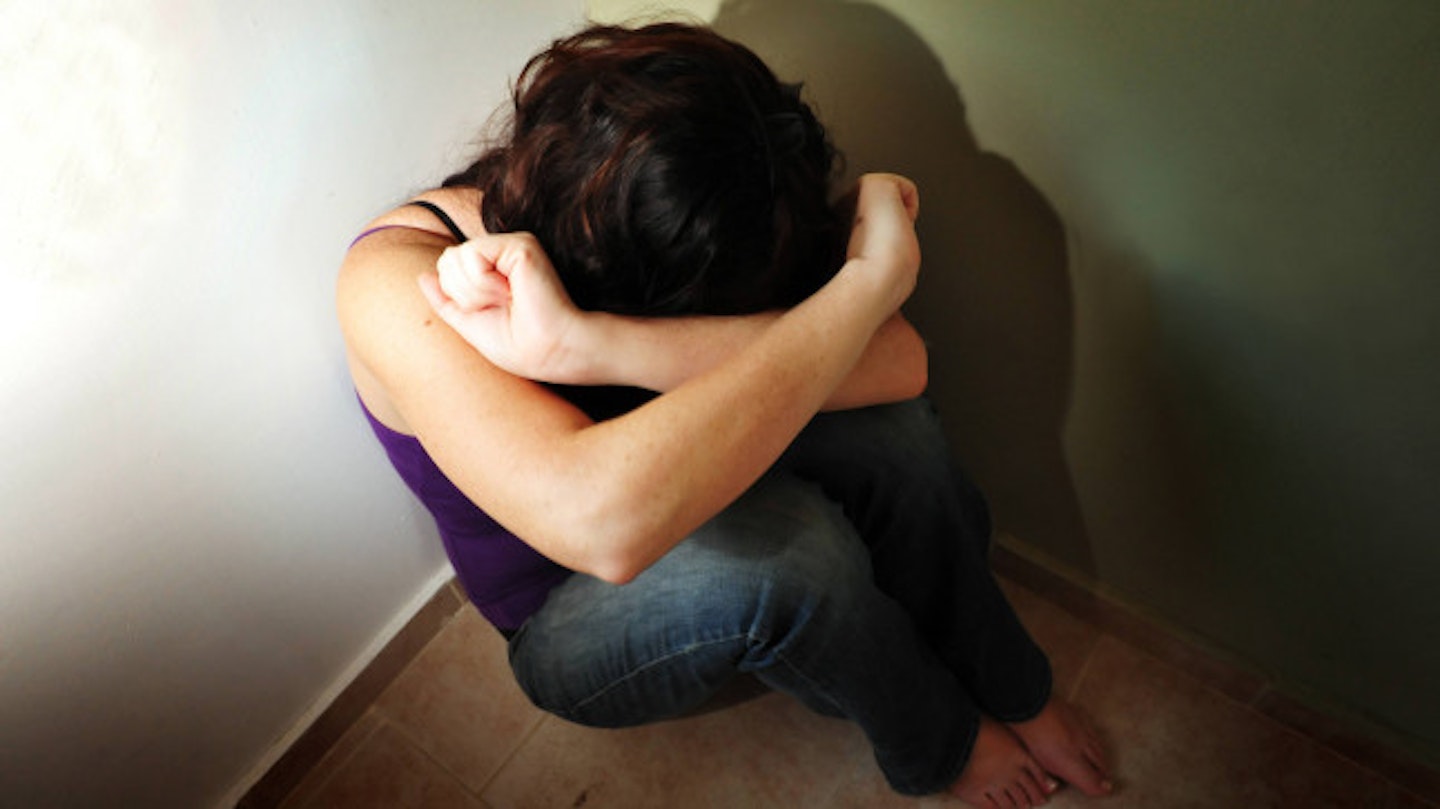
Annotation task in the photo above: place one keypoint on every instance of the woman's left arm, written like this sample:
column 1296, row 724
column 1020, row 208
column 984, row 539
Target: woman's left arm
column 661, row 353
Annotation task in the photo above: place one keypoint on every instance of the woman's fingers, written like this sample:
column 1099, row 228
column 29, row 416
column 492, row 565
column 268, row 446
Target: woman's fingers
column 483, row 329
column 470, row 269
column 452, row 278
column 469, row 279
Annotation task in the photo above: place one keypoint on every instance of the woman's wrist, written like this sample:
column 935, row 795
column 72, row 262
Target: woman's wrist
column 586, row 351
column 655, row 353
column 881, row 285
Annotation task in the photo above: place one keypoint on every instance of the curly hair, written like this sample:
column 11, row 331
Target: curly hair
column 666, row 170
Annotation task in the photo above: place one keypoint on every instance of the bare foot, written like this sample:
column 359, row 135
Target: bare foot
column 1000, row 774
column 1062, row 741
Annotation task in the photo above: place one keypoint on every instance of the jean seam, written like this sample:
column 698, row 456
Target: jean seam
column 639, row 670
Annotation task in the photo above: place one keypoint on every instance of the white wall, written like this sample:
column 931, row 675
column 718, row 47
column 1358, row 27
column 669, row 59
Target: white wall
column 198, row 537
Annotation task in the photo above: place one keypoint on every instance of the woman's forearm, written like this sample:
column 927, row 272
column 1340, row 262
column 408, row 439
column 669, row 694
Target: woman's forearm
column 693, row 451
column 660, row 354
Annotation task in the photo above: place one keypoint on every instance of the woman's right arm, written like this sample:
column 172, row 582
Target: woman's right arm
column 610, row 498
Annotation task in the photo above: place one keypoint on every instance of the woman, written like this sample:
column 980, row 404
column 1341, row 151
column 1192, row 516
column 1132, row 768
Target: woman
column 605, row 387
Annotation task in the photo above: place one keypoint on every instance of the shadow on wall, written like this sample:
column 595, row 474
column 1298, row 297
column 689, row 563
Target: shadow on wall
column 994, row 300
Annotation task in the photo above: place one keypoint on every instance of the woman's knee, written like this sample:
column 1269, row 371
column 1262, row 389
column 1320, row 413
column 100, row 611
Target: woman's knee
column 784, row 535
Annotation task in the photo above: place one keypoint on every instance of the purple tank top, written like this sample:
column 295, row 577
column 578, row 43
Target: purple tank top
column 506, row 579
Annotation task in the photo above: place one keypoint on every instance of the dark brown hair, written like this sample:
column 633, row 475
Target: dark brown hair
column 666, row 170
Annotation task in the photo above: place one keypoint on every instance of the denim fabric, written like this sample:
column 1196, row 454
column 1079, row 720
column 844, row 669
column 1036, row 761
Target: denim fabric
column 851, row 576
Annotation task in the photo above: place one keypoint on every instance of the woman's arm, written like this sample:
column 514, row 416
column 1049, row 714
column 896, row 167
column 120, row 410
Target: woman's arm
column 552, row 341
column 611, row 498
column 662, row 353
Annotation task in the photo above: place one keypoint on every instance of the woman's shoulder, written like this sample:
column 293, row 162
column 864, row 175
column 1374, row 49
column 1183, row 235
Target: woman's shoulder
column 396, row 246
column 377, row 299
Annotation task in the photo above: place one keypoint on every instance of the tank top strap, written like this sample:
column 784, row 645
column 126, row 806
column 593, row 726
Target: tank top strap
column 444, row 219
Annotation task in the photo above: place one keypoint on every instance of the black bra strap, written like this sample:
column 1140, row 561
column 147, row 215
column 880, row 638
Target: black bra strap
column 444, row 218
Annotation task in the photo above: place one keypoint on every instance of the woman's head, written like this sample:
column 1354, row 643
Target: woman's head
column 666, row 170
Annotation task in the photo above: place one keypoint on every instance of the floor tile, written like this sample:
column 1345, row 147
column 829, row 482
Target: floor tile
column 767, row 752
column 389, row 772
column 1176, row 743
column 459, row 702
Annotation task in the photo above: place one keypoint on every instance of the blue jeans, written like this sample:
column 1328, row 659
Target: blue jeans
column 852, row 576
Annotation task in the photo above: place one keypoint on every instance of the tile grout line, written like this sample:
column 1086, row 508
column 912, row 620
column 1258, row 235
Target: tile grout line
column 1201, row 682
column 1085, row 667
column 510, row 756
column 378, row 707
column 409, row 739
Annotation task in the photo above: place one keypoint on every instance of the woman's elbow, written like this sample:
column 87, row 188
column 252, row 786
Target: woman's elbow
column 618, row 546
column 616, row 572
column 907, row 361
column 619, row 565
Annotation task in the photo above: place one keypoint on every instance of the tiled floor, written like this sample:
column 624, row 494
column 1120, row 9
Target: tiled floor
column 454, row 731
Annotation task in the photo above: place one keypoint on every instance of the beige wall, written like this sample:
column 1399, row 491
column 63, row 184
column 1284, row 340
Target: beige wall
column 199, row 541
column 1182, row 287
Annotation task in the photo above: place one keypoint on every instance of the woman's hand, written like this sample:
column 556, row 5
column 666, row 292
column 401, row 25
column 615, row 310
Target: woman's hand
column 882, row 237
column 501, row 294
